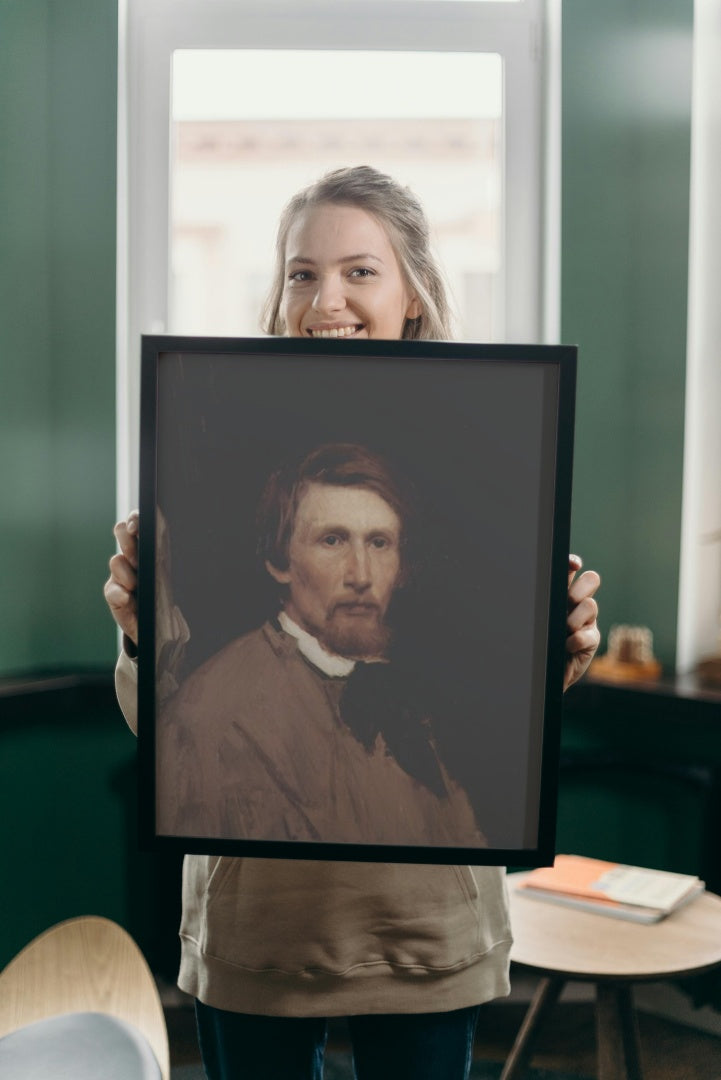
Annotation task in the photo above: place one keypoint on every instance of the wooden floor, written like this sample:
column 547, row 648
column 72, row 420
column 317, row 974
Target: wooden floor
column 567, row 1042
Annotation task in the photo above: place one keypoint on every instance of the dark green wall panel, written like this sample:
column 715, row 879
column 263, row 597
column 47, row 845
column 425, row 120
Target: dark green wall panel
column 26, row 491
column 58, row 76
column 626, row 144
column 68, row 803
column 641, row 778
column 67, row 847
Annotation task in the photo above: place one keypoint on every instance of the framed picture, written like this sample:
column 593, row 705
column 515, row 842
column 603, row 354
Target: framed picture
column 352, row 597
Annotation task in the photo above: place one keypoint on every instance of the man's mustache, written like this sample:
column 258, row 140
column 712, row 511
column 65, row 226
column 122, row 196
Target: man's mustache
column 355, row 605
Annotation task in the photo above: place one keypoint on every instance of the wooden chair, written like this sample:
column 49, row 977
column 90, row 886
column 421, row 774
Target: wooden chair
column 87, row 967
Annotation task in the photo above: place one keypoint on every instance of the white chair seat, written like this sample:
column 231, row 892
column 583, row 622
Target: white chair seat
column 78, row 1046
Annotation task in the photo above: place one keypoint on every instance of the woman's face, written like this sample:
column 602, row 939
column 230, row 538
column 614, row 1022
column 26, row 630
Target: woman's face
column 342, row 277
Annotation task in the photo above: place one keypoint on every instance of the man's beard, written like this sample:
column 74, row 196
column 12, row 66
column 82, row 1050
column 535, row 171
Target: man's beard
column 357, row 638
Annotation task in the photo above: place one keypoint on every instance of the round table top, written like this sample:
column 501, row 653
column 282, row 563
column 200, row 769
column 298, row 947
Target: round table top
column 559, row 940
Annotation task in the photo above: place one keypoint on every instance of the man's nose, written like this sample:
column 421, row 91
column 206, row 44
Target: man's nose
column 358, row 567
column 329, row 295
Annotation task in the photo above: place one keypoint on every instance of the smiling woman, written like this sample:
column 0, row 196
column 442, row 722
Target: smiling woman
column 353, row 259
column 269, row 743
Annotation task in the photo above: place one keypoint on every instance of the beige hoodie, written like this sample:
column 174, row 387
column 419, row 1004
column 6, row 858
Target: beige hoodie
column 287, row 937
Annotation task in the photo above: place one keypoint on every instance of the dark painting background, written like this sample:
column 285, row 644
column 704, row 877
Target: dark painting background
column 477, row 440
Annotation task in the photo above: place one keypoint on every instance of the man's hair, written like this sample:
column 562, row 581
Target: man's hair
column 402, row 216
column 339, row 465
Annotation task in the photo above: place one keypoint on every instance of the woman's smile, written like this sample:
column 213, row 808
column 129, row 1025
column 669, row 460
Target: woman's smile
column 335, row 331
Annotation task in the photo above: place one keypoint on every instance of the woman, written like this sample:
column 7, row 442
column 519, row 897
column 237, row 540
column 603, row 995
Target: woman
column 271, row 948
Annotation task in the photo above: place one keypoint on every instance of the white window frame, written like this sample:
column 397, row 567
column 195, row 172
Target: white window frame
column 526, row 34
column 699, row 597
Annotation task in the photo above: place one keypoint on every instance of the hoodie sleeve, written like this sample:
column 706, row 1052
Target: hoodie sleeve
column 126, row 688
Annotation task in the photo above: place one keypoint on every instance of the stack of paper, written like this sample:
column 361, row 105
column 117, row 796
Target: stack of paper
column 625, row 892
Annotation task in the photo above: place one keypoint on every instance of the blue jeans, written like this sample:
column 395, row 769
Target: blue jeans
column 415, row 1046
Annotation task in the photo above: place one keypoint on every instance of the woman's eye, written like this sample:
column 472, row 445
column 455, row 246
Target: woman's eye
column 362, row 272
column 300, row 276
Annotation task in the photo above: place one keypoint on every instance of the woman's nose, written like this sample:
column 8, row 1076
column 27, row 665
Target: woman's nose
column 329, row 295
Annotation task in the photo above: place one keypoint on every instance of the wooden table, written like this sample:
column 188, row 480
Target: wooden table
column 563, row 944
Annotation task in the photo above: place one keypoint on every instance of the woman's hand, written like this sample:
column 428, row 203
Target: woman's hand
column 121, row 587
column 583, row 636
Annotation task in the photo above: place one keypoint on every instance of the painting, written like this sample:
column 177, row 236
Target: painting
column 352, row 597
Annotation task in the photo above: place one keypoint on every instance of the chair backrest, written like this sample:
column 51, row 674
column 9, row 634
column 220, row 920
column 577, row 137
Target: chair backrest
column 88, row 964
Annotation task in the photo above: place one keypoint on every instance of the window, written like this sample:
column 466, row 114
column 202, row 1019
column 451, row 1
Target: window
column 227, row 107
column 235, row 162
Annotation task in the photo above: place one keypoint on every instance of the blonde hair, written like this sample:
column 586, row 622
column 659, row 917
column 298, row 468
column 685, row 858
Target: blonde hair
column 403, row 217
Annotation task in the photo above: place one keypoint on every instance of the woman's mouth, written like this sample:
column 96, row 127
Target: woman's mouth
column 335, row 331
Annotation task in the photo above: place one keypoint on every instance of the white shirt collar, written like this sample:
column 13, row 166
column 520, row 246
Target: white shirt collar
column 312, row 650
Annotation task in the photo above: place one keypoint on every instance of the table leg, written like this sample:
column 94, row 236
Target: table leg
column 545, row 997
column 617, row 1033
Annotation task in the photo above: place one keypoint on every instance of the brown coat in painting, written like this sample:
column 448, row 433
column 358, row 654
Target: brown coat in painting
column 254, row 746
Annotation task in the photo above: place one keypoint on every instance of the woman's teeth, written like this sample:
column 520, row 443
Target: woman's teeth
column 337, row 331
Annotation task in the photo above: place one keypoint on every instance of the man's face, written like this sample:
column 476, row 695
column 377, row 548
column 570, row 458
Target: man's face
column 344, row 564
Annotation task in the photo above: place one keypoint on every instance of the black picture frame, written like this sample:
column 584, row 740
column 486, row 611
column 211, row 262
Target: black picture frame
column 484, row 435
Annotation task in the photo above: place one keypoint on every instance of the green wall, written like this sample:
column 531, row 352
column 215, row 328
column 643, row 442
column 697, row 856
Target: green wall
column 626, row 145
column 626, row 136
column 66, row 758
column 58, row 72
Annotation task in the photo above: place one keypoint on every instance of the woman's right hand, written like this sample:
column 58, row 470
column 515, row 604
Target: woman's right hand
column 121, row 587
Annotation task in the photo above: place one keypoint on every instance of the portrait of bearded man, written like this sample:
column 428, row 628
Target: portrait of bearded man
column 304, row 728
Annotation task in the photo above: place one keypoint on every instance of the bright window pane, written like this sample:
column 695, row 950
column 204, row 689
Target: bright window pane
column 252, row 127
column 462, row 1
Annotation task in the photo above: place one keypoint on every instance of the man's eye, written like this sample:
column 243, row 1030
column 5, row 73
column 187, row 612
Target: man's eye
column 331, row 540
column 380, row 542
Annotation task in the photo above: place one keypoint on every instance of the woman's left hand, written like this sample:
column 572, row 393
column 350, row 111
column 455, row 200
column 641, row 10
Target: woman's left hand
column 583, row 636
